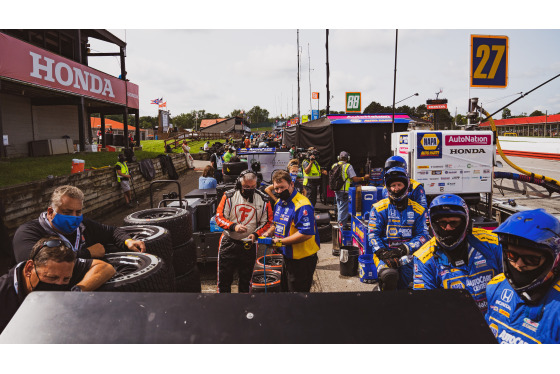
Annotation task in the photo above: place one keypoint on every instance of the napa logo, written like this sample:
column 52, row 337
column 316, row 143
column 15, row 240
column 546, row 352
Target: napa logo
column 358, row 231
column 429, row 145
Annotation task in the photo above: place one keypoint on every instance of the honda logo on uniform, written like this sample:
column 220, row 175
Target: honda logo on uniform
column 507, row 295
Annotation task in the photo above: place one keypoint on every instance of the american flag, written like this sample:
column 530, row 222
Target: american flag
column 157, row 101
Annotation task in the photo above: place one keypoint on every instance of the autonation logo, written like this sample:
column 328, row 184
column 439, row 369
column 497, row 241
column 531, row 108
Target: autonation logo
column 468, row 139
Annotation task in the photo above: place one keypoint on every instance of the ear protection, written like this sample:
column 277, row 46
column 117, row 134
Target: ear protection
column 243, row 173
column 338, row 157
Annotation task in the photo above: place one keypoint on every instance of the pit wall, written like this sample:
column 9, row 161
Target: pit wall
column 102, row 193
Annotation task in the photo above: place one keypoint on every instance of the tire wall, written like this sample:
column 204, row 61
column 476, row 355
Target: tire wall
column 24, row 202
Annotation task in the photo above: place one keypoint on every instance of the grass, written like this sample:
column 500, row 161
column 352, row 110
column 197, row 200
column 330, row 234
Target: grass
column 27, row 169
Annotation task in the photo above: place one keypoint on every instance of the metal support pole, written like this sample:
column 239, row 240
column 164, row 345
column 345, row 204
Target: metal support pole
column 3, row 152
column 137, row 123
column 328, row 73
column 395, row 81
column 81, row 125
column 103, row 136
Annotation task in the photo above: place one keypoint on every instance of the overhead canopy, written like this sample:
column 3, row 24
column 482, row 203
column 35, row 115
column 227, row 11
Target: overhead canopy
column 362, row 135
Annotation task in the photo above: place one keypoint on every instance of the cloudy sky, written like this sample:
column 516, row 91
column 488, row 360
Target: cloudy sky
column 223, row 55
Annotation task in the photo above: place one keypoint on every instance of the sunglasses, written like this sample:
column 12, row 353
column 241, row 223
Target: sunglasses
column 50, row 244
column 530, row 260
column 443, row 224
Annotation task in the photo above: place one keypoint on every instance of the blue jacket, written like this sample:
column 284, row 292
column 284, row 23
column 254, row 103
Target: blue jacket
column 416, row 193
column 388, row 227
column 432, row 268
column 515, row 322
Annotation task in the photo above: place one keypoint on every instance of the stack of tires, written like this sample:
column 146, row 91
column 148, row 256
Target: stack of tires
column 267, row 278
column 232, row 170
column 324, row 227
column 178, row 222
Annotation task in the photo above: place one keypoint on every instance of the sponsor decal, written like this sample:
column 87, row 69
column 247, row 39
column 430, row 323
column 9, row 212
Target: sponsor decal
column 528, row 324
column 434, row 179
column 418, row 286
column 305, row 212
column 468, row 140
column 476, row 172
column 416, row 268
column 405, row 232
column 507, row 338
column 455, row 178
column 441, row 184
column 286, row 210
column 448, row 166
column 445, row 178
column 479, row 283
column 410, row 215
column 457, row 285
column 436, row 172
column 483, row 179
column 442, row 273
column 507, row 295
column 451, row 183
column 494, row 308
column 429, row 145
column 422, row 240
column 244, row 213
column 469, row 165
column 357, row 230
column 403, row 139
column 437, row 167
column 441, row 189
column 403, row 149
column 423, row 172
column 486, row 171
column 480, row 263
column 503, row 305
column 423, row 167
column 504, row 313
column 494, row 329
column 461, row 151
column 418, row 276
column 482, row 304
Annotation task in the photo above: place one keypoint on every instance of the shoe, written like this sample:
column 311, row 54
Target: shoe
column 131, row 205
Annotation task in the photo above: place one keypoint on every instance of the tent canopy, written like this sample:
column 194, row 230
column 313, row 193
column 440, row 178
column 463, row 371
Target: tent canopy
column 363, row 136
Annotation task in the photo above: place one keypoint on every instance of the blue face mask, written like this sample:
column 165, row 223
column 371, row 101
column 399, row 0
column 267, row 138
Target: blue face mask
column 67, row 224
column 294, row 176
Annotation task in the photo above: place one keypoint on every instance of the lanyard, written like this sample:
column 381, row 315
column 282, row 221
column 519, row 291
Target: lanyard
column 16, row 270
column 74, row 247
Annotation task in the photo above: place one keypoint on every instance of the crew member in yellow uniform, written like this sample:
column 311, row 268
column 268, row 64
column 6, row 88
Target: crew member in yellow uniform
column 123, row 177
column 312, row 174
column 296, row 231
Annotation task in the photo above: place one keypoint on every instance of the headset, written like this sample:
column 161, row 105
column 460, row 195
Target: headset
column 338, row 157
column 243, row 173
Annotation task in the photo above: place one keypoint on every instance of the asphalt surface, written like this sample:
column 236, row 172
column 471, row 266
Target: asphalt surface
column 327, row 275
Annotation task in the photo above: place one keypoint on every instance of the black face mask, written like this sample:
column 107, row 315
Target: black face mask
column 449, row 237
column 284, row 195
column 524, row 278
column 248, row 193
column 44, row 286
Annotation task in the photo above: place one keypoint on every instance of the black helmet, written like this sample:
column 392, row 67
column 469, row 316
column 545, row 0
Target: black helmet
column 395, row 162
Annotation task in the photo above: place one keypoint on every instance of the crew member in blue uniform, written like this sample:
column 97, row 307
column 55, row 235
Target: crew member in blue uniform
column 397, row 228
column 458, row 256
column 524, row 301
column 296, row 232
column 415, row 190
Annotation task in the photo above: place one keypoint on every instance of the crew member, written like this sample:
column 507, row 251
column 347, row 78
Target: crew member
column 415, row 190
column 296, row 232
column 524, row 301
column 64, row 219
column 293, row 169
column 52, row 266
column 458, row 256
column 348, row 174
column 123, row 177
column 217, row 162
column 247, row 142
column 245, row 214
column 206, row 146
column 229, row 154
column 397, row 228
column 312, row 174
column 293, row 151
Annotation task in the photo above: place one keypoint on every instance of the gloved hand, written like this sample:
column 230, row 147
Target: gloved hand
column 392, row 262
column 401, row 250
column 383, row 253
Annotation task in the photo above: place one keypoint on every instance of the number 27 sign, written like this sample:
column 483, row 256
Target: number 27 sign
column 489, row 61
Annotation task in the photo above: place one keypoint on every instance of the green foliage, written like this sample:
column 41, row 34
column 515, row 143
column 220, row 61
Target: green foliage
column 257, row 115
column 536, row 113
column 506, row 113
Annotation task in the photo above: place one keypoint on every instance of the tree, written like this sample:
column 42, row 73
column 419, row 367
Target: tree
column 148, row 122
column 258, row 115
column 506, row 113
column 237, row 113
column 536, row 113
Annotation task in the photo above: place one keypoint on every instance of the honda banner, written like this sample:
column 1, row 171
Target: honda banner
column 27, row 63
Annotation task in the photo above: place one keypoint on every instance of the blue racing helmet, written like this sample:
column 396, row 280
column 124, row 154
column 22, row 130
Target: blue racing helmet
column 449, row 205
column 397, row 175
column 395, row 162
column 536, row 230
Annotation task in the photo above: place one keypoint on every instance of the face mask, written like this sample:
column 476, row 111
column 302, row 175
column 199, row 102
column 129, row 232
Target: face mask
column 67, row 224
column 294, row 176
column 449, row 238
column 248, row 193
column 284, row 195
column 44, row 286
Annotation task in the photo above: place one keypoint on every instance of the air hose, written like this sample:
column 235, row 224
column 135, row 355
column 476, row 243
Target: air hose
column 552, row 183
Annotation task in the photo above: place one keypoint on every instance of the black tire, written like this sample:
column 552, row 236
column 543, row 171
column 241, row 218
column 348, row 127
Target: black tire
column 177, row 220
column 184, row 258
column 325, row 233
column 273, row 280
column 136, row 272
column 234, row 168
column 230, row 178
column 189, row 282
column 273, row 262
column 322, row 218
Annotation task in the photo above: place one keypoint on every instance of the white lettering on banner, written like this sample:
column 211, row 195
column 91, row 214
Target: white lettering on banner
column 510, row 339
column 468, row 140
column 75, row 76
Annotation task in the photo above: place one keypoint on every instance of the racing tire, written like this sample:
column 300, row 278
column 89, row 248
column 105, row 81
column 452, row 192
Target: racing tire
column 322, row 218
column 184, row 258
column 230, row 178
column 234, row 168
column 177, row 220
column 273, row 280
column 136, row 272
column 189, row 282
column 273, row 262
column 325, row 233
